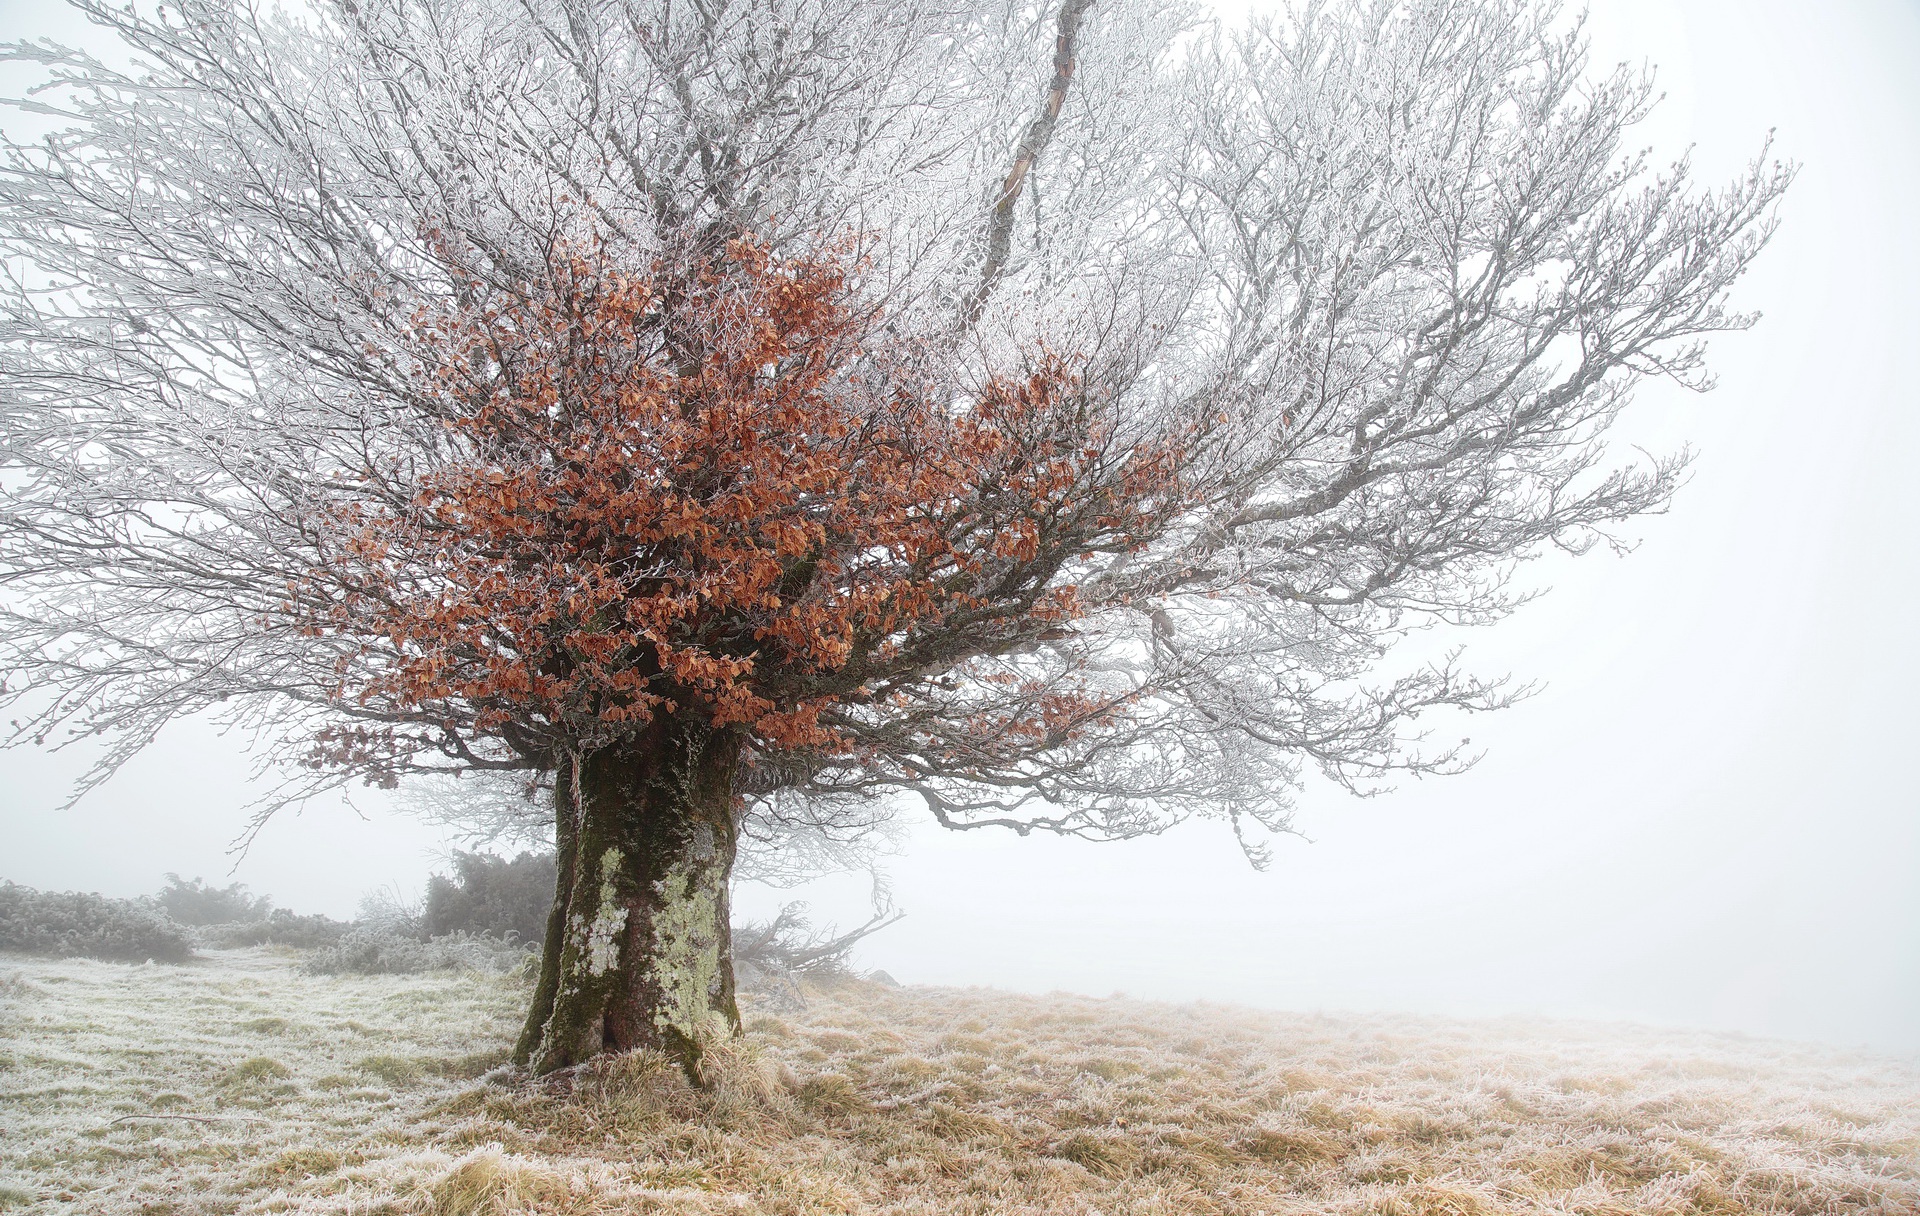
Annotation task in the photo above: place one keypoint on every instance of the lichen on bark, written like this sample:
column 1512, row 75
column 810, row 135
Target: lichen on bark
column 600, row 935
column 687, row 956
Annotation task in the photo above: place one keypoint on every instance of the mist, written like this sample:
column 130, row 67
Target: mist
column 1704, row 818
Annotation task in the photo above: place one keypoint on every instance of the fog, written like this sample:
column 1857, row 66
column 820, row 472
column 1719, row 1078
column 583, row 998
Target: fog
column 1706, row 817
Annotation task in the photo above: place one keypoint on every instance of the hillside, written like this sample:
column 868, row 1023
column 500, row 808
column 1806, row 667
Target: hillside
column 241, row 1085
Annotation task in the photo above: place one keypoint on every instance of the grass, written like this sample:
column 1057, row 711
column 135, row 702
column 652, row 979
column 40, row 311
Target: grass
column 243, row 1085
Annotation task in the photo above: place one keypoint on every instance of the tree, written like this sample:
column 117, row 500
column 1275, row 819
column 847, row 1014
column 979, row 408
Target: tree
column 730, row 413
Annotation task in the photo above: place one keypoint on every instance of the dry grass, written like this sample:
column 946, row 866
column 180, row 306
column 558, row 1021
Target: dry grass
column 287, row 1092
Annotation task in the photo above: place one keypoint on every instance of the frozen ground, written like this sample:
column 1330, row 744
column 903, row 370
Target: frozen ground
column 242, row 1085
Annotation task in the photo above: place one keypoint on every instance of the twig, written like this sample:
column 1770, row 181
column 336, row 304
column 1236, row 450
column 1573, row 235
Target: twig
column 196, row 1118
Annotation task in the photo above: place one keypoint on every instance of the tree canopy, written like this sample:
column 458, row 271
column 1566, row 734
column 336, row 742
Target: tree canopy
column 705, row 497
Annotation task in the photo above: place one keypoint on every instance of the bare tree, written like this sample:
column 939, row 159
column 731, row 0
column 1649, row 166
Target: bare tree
column 1226, row 359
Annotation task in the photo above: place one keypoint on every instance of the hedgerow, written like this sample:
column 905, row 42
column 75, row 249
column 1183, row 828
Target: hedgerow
column 69, row 924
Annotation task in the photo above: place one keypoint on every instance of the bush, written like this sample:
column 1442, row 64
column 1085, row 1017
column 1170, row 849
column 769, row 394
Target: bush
column 277, row 928
column 388, row 910
column 196, row 903
column 69, row 923
column 373, row 952
column 492, row 896
column 770, row 957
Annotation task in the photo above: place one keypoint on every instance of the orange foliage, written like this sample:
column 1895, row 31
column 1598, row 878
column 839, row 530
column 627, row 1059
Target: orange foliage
column 699, row 494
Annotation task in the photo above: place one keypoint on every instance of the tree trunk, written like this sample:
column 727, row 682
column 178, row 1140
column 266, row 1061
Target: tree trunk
column 639, row 951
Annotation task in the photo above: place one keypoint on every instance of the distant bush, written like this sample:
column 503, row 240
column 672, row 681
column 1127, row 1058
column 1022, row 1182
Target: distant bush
column 769, row 957
column 277, row 928
column 365, row 951
column 388, row 910
column 69, row 924
column 196, row 903
column 492, row 896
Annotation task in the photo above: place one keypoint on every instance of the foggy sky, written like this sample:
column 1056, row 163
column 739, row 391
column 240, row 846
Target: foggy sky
column 1707, row 817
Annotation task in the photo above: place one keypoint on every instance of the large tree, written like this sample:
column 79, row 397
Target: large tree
column 729, row 412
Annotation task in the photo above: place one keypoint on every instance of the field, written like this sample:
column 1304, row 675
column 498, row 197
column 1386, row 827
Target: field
column 241, row 1085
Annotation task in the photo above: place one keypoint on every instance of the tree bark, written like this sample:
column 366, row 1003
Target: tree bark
column 639, row 951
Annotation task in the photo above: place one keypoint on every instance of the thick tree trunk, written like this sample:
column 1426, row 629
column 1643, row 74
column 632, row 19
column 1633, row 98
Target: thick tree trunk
column 639, row 951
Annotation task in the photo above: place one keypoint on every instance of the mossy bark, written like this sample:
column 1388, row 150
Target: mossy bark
column 639, row 951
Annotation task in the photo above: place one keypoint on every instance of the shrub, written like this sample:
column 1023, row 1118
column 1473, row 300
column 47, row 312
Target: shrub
column 70, row 923
column 388, row 910
column 371, row 952
column 493, row 896
column 770, row 956
column 196, row 903
column 278, row 928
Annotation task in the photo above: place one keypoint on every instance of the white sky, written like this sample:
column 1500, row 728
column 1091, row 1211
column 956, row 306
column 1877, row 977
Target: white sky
column 1708, row 817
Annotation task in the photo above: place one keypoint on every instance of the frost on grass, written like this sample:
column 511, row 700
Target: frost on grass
column 245, row 1085
column 217, row 1086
